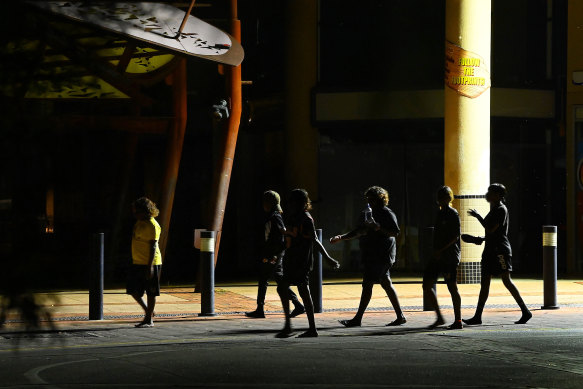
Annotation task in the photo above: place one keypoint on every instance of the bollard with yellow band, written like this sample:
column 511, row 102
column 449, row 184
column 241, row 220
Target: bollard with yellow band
column 207, row 259
column 550, row 267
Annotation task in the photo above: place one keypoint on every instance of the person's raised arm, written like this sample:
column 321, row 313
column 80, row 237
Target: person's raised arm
column 488, row 228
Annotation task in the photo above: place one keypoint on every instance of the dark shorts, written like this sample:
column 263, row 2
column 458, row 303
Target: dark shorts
column 376, row 271
column 496, row 265
column 296, row 277
column 435, row 267
column 139, row 283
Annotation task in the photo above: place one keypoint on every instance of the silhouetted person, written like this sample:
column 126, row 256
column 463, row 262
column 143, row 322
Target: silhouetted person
column 298, row 260
column 446, row 257
column 497, row 254
column 144, row 274
column 272, row 255
column 376, row 231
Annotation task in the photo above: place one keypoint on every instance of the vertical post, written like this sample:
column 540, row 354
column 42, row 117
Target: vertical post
column 96, row 282
column 316, row 281
column 207, row 260
column 426, row 243
column 550, row 267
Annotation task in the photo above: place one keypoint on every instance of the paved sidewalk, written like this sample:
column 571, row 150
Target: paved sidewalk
column 233, row 351
column 231, row 301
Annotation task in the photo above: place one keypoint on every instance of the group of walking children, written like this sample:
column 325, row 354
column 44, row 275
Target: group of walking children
column 376, row 230
column 287, row 256
column 296, row 238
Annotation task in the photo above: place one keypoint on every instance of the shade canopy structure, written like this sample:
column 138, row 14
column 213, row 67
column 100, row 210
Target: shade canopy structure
column 155, row 23
column 122, row 67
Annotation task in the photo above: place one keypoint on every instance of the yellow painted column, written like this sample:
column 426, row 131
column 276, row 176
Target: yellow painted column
column 467, row 119
column 301, row 138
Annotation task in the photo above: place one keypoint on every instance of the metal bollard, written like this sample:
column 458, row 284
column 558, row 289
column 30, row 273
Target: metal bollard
column 207, row 260
column 426, row 243
column 550, row 267
column 96, row 281
column 316, row 280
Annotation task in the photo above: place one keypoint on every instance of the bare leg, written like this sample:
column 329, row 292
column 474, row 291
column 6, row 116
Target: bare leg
column 432, row 298
column 282, row 290
column 150, row 309
column 387, row 285
column 484, row 292
column 456, row 299
column 526, row 315
column 304, row 291
column 140, row 301
column 365, row 297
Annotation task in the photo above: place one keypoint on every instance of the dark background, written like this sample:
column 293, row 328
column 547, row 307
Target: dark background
column 361, row 48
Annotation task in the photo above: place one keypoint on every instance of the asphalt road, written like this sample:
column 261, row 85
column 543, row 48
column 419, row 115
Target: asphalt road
column 235, row 352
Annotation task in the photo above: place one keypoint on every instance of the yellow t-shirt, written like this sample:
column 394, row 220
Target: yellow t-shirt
column 145, row 231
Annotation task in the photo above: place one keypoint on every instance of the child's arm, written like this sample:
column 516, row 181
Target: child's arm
column 288, row 234
column 335, row 264
column 390, row 232
column 153, row 246
column 386, row 224
column 437, row 252
column 488, row 229
column 349, row 235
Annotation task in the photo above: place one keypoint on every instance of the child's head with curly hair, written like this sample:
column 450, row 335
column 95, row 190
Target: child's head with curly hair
column 377, row 196
column 146, row 207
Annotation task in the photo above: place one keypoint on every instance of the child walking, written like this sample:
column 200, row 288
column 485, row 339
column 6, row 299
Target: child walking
column 144, row 274
column 497, row 254
column 298, row 261
column 272, row 255
column 376, row 231
column 446, row 257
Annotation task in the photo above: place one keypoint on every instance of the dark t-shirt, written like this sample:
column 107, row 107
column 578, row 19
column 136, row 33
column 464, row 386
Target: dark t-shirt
column 497, row 242
column 274, row 243
column 298, row 256
column 377, row 246
column 447, row 228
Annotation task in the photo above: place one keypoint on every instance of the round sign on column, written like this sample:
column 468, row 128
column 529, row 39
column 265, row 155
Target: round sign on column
column 465, row 72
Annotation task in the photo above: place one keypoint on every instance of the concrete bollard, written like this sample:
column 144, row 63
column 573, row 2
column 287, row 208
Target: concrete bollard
column 426, row 250
column 207, row 260
column 550, row 267
column 96, row 281
column 316, row 279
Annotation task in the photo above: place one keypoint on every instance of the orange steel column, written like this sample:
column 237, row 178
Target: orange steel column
column 223, row 174
column 173, row 150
